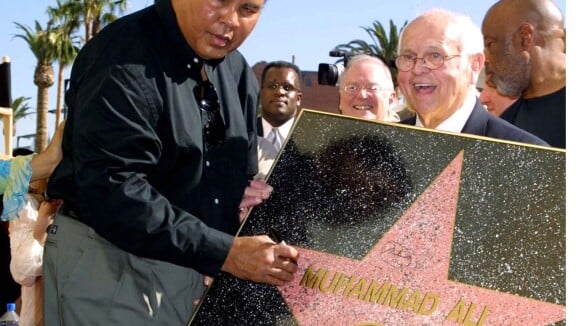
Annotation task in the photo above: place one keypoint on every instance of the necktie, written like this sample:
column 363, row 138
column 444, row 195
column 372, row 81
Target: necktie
column 274, row 138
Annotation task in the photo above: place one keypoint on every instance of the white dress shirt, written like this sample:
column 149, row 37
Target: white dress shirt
column 457, row 120
column 284, row 129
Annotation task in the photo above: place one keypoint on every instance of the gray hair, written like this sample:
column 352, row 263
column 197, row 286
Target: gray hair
column 366, row 57
column 465, row 33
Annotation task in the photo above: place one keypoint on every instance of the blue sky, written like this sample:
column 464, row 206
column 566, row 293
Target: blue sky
column 301, row 29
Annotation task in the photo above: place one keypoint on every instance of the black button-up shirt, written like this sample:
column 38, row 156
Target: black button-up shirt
column 135, row 167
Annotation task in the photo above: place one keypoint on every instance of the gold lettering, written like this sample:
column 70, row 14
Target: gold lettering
column 423, row 308
column 358, row 289
column 341, row 284
column 372, row 295
column 332, row 283
column 413, row 302
column 388, row 294
column 468, row 320
column 456, row 313
column 312, row 280
column 348, row 285
column 483, row 316
column 393, row 299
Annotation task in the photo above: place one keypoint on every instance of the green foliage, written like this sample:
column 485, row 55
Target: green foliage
column 41, row 42
column 20, row 108
column 65, row 17
column 98, row 13
column 60, row 41
column 383, row 44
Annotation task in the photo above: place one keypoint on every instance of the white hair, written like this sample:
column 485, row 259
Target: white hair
column 365, row 57
column 467, row 35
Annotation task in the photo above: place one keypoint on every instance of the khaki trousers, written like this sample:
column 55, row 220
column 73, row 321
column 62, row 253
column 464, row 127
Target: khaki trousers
column 89, row 281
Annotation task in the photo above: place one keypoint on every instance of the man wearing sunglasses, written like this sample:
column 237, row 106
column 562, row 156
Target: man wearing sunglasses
column 440, row 56
column 158, row 148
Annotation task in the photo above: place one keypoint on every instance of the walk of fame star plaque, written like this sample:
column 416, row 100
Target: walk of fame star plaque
column 398, row 225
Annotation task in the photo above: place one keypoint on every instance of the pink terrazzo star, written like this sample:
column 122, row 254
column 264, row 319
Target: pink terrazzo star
column 412, row 259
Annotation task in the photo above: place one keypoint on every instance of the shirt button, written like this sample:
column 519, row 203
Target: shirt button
column 196, row 60
column 207, row 163
column 188, row 66
column 216, row 201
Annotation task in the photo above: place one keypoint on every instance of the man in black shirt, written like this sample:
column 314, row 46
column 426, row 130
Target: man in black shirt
column 525, row 55
column 159, row 146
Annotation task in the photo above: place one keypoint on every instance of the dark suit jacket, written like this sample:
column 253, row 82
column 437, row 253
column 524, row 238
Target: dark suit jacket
column 259, row 127
column 482, row 123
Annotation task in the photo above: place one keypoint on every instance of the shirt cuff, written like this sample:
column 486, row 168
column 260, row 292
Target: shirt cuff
column 17, row 183
column 214, row 250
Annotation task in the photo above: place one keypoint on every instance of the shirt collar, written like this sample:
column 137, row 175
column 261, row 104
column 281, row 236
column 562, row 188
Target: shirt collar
column 185, row 57
column 283, row 129
column 456, row 121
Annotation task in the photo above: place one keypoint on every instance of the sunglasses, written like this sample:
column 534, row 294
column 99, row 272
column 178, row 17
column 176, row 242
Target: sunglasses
column 214, row 130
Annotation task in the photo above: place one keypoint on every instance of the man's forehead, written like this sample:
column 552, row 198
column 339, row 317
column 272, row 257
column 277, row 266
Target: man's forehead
column 281, row 71
column 431, row 28
column 375, row 74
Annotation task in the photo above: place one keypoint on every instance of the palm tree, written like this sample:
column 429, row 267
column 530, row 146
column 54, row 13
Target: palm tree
column 98, row 13
column 66, row 18
column 383, row 45
column 42, row 44
column 20, row 109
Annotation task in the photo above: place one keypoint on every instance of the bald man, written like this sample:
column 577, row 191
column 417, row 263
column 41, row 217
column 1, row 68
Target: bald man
column 525, row 55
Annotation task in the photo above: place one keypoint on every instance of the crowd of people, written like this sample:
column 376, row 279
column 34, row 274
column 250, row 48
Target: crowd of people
column 141, row 223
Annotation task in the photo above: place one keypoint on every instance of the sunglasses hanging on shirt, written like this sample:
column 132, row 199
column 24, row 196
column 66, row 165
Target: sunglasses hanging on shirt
column 214, row 130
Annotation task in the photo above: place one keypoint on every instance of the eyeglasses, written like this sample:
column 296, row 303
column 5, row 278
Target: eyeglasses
column 354, row 88
column 431, row 61
column 287, row 87
column 214, row 130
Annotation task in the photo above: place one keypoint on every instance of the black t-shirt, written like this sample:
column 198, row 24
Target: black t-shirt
column 543, row 116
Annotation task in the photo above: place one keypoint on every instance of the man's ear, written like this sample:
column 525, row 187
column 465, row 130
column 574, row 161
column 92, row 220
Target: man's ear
column 564, row 38
column 298, row 98
column 393, row 99
column 526, row 35
column 477, row 62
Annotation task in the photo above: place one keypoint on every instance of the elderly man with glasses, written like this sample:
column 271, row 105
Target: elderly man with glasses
column 440, row 55
column 367, row 91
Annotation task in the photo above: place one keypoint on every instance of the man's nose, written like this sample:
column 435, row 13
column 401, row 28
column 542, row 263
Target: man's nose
column 229, row 15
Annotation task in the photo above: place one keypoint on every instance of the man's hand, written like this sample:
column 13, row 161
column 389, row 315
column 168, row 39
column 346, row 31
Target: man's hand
column 207, row 281
column 44, row 219
column 255, row 193
column 259, row 259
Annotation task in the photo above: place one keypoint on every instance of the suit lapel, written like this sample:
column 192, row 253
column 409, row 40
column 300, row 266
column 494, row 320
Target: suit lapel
column 477, row 121
column 259, row 127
